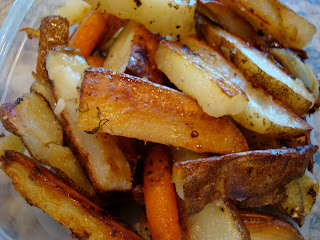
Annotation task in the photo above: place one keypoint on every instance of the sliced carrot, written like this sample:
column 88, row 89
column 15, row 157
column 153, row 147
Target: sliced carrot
column 160, row 196
column 89, row 32
column 95, row 61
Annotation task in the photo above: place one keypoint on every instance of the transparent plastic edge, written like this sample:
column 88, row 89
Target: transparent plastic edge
column 11, row 25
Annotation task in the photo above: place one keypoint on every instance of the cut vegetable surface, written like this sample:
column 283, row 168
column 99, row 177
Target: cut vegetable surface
column 167, row 17
column 43, row 189
column 120, row 104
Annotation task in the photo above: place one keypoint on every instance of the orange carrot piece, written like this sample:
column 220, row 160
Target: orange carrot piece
column 95, row 61
column 89, row 32
column 160, row 196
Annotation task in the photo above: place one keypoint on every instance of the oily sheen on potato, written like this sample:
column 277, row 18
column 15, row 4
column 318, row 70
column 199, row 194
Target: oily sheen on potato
column 43, row 189
column 31, row 118
column 124, row 105
column 260, row 113
column 259, row 69
column 274, row 19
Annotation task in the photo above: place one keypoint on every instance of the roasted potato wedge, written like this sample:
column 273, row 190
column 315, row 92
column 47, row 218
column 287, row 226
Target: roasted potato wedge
column 73, row 10
column 54, row 31
column 197, row 73
column 268, row 227
column 243, row 177
column 133, row 53
column 301, row 195
column 44, row 190
column 32, row 120
column 259, row 69
column 276, row 20
column 10, row 142
column 229, row 20
column 257, row 113
column 106, row 164
column 124, row 105
column 300, row 70
column 217, row 220
column 167, row 17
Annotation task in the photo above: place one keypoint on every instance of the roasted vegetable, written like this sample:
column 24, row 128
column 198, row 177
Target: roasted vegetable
column 260, row 113
column 133, row 53
column 44, row 190
column 253, row 179
column 301, row 194
column 54, row 31
column 167, row 17
column 10, row 142
column 259, row 69
column 274, row 19
column 73, row 10
column 217, row 220
column 100, row 154
column 268, row 227
column 198, row 73
column 120, row 104
column 32, row 120
column 160, row 195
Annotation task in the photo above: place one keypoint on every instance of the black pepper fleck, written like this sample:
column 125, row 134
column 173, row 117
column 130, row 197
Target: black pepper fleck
column 18, row 101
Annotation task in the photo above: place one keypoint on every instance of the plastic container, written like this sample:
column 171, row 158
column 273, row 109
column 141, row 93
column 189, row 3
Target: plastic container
column 18, row 56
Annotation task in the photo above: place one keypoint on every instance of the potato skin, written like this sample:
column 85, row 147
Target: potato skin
column 41, row 188
column 54, row 31
column 124, row 105
column 244, row 177
column 268, row 226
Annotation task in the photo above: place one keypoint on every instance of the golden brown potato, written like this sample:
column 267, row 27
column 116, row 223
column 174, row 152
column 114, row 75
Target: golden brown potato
column 106, row 164
column 32, row 120
column 268, row 227
column 229, row 20
column 54, row 31
column 196, row 71
column 124, row 105
column 133, row 53
column 243, row 177
column 260, row 70
column 274, row 19
column 44, row 190
column 217, row 220
column 10, row 142
column 300, row 197
column 73, row 10
column 300, row 70
column 167, row 17
column 189, row 65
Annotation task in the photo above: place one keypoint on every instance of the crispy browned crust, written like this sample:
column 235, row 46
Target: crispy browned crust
column 143, row 49
column 258, row 78
column 114, row 24
column 124, row 105
column 228, row 88
column 61, row 202
column 243, row 177
column 54, row 30
column 15, row 119
column 258, row 222
column 237, row 220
